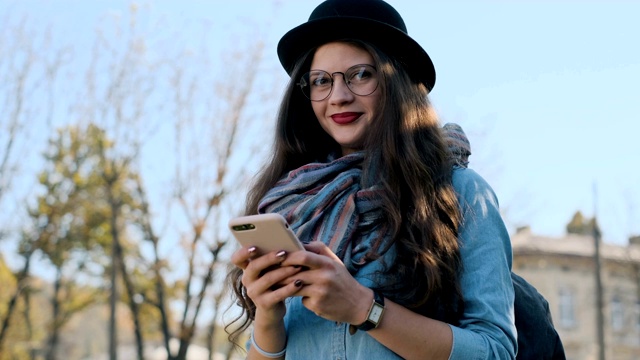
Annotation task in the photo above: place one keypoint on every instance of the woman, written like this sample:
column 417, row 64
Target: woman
column 407, row 255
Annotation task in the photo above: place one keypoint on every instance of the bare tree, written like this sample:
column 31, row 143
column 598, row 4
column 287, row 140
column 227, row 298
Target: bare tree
column 120, row 82
column 212, row 115
column 29, row 71
column 214, row 119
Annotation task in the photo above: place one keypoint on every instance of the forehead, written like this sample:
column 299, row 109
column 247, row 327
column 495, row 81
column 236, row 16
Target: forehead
column 338, row 56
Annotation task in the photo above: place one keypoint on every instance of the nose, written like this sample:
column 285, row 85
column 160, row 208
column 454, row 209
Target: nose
column 340, row 92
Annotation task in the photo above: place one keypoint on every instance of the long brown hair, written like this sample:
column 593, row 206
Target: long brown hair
column 406, row 155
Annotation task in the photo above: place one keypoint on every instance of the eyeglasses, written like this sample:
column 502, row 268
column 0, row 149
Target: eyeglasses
column 361, row 80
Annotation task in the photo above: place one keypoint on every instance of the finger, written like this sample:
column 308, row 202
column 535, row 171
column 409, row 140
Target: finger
column 261, row 264
column 280, row 275
column 305, row 260
column 318, row 247
column 301, row 278
column 291, row 289
column 307, row 283
column 242, row 256
column 288, row 280
column 268, row 287
column 319, row 256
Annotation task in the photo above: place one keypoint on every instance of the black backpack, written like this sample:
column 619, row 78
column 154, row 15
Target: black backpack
column 537, row 337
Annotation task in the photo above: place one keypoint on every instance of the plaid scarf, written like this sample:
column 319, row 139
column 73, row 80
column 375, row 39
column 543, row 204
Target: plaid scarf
column 325, row 202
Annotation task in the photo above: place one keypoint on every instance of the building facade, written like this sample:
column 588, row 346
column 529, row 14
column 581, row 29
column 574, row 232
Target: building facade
column 564, row 272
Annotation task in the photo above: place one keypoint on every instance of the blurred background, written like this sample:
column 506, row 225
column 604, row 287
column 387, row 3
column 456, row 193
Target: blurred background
column 129, row 131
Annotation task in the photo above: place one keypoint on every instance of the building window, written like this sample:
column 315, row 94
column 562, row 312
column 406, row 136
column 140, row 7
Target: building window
column 617, row 314
column 567, row 308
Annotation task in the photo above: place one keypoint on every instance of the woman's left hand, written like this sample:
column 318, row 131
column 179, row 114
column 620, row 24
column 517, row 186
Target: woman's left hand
column 328, row 289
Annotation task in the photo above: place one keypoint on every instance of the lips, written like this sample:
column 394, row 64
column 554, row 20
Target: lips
column 345, row 117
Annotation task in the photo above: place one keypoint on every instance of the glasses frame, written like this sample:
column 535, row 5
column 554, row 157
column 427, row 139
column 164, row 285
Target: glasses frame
column 304, row 81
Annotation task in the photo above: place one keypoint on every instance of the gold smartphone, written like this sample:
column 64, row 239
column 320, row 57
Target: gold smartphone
column 267, row 232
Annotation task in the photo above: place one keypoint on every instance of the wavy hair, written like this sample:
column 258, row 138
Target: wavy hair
column 406, row 155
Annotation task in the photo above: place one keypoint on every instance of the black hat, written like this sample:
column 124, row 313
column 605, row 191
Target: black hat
column 374, row 21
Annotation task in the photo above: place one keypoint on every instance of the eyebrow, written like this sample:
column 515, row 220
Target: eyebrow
column 373, row 66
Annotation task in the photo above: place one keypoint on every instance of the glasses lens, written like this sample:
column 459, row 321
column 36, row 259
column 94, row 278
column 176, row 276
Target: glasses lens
column 362, row 79
column 316, row 85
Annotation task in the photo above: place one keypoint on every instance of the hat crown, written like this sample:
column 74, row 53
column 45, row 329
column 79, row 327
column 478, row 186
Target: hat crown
column 372, row 21
column 376, row 10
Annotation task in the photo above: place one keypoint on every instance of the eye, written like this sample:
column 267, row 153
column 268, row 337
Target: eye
column 360, row 73
column 320, row 79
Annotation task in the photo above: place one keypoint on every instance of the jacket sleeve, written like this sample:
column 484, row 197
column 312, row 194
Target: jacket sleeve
column 487, row 327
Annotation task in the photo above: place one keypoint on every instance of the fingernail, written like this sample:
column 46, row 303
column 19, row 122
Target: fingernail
column 298, row 283
column 281, row 254
column 251, row 250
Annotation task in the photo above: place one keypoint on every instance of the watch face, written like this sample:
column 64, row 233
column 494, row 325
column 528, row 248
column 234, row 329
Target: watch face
column 376, row 313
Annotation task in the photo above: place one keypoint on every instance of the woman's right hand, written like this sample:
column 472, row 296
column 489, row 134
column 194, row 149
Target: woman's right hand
column 263, row 277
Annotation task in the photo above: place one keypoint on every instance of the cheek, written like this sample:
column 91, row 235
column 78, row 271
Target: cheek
column 375, row 100
column 318, row 108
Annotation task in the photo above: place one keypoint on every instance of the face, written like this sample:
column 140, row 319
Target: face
column 344, row 115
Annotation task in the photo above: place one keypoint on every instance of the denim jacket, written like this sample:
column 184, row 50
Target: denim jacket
column 486, row 329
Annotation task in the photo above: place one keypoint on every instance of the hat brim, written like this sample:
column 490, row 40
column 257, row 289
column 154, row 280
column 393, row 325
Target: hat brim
column 389, row 39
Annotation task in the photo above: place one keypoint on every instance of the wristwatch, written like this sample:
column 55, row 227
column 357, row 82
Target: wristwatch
column 374, row 317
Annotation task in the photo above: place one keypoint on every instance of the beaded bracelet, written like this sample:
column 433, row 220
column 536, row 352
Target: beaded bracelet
column 270, row 355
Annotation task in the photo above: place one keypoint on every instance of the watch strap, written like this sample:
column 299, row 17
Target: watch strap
column 377, row 308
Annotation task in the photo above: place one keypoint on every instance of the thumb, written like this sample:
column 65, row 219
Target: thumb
column 318, row 247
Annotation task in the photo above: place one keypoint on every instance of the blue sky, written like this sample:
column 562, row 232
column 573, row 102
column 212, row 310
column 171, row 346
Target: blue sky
column 548, row 91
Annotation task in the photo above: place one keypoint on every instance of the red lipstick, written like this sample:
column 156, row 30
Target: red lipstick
column 345, row 117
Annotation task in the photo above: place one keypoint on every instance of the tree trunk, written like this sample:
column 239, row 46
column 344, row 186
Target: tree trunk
column 113, row 302
column 29, row 324
column 52, row 343
column 210, row 341
column 187, row 331
column 159, row 282
column 120, row 264
column 133, row 306
column 164, row 321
